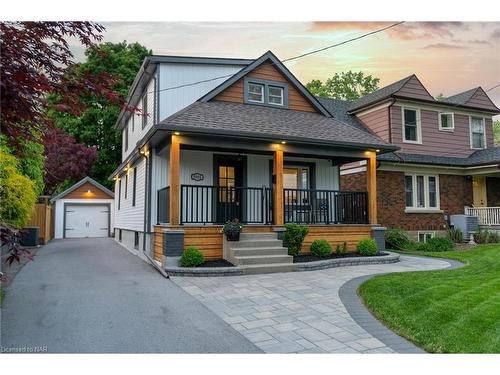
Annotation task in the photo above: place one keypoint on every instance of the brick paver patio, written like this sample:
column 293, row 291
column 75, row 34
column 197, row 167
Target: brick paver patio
column 300, row 312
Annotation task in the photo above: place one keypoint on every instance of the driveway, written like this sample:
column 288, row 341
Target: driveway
column 93, row 296
column 305, row 312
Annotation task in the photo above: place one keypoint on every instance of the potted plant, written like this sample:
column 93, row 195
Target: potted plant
column 232, row 230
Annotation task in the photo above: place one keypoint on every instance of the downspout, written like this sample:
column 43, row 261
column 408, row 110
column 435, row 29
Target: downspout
column 147, row 214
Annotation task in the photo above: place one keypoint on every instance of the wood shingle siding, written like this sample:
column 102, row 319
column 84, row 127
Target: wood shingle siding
column 235, row 92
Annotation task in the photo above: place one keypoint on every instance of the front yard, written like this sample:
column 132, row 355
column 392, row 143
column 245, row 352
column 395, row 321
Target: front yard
column 450, row 311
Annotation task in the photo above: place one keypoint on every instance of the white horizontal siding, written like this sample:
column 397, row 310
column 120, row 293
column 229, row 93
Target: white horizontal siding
column 173, row 75
column 128, row 216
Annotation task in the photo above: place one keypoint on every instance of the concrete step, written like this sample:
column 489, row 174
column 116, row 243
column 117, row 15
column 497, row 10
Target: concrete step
column 248, row 251
column 258, row 236
column 262, row 259
column 254, row 243
column 268, row 268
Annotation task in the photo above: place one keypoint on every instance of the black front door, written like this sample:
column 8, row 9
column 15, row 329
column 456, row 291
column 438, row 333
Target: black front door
column 229, row 177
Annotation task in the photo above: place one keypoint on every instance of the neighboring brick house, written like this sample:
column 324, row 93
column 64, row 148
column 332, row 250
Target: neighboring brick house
column 447, row 158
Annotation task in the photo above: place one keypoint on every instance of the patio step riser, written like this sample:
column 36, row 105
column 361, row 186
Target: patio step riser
column 263, row 260
column 271, row 268
column 259, row 251
column 255, row 243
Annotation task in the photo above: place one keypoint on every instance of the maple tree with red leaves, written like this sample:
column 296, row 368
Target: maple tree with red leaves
column 35, row 61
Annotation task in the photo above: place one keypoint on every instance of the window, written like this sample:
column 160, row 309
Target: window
column 446, row 121
column 296, row 178
column 227, row 180
column 255, row 93
column 136, row 240
column 478, row 139
column 421, row 192
column 144, row 110
column 126, row 184
column 268, row 93
column 119, row 192
column 425, row 236
column 275, row 95
column 134, row 186
column 125, row 138
column 411, row 125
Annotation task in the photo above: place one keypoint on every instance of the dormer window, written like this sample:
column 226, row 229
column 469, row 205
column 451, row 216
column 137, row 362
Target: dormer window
column 255, row 92
column 267, row 93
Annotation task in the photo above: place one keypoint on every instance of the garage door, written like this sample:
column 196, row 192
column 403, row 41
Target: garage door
column 89, row 220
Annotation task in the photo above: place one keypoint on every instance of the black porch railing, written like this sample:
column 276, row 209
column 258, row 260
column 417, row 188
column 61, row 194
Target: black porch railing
column 162, row 204
column 217, row 204
column 325, row 206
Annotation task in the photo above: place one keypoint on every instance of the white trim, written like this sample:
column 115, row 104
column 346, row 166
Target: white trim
column 452, row 128
column 426, row 207
column 282, row 89
column 372, row 109
column 448, row 108
column 418, row 129
column 431, row 232
column 344, row 172
column 263, row 88
column 484, row 132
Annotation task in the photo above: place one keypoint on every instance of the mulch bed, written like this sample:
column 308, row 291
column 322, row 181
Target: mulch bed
column 216, row 263
column 311, row 258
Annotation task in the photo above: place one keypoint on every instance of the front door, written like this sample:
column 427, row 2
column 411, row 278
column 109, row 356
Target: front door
column 229, row 192
column 479, row 191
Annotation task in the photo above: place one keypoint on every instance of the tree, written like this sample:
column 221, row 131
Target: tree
column 65, row 160
column 94, row 127
column 36, row 60
column 496, row 131
column 346, row 86
column 440, row 97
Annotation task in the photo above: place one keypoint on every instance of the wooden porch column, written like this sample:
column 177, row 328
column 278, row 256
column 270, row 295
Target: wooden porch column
column 371, row 185
column 278, row 186
column 175, row 187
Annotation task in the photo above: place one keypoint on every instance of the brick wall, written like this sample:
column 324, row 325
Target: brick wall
column 455, row 193
column 493, row 191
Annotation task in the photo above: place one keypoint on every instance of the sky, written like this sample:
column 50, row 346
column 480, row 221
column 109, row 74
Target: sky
column 448, row 57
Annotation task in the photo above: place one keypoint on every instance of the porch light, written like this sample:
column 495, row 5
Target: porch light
column 125, row 169
column 142, row 152
column 377, row 150
column 283, row 142
column 177, row 133
column 89, row 191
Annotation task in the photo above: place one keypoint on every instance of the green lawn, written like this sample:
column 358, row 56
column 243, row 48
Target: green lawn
column 448, row 311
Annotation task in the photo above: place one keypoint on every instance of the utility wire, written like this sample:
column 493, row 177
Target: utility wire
column 285, row 60
column 494, row 87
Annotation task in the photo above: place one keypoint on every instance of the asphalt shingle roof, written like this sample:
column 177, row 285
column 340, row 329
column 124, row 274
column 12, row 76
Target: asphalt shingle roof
column 479, row 157
column 338, row 108
column 380, row 94
column 259, row 121
column 461, row 98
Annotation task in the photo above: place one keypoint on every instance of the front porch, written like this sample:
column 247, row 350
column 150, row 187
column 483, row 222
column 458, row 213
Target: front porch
column 263, row 185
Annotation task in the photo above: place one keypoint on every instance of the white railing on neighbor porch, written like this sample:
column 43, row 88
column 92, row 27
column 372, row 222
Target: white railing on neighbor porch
column 485, row 215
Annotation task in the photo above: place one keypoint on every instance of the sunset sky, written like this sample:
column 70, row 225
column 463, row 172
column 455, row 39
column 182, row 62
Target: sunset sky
column 448, row 57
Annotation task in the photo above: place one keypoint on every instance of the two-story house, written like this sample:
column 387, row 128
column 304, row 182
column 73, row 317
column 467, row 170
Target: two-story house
column 225, row 139
column 447, row 159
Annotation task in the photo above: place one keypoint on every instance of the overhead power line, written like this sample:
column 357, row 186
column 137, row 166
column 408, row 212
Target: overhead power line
column 288, row 59
column 494, row 87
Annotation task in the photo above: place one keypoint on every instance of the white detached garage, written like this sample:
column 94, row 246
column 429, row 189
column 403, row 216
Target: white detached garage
column 86, row 209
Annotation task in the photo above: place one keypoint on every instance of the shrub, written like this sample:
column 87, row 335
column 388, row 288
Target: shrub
column 494, row 237
column 321, row 248
column 17, row 193
column 437, row 244
column 294, row 236
column 482, row 236
column 192, row 257
column 367, row 247
column 455, row 235
column 396, row 239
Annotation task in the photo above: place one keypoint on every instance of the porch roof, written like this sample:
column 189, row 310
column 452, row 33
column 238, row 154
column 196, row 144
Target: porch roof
column 480, row 157
column 254, row 121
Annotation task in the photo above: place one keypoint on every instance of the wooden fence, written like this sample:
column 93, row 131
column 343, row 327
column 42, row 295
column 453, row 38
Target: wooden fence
column 43, row 218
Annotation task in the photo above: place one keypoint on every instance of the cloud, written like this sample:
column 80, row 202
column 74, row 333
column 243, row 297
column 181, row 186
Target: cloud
column 442, row 46
column 406, row 31
column 472, row 41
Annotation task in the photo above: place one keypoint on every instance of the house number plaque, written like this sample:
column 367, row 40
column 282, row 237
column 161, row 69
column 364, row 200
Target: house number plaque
column 197, row 177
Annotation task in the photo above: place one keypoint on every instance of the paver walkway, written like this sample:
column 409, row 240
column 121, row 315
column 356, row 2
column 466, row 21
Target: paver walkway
column 297, row 312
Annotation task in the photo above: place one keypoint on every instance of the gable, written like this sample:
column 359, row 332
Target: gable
column 414, row 89
column 481, row 100
column 267, row 71
column 82, row 192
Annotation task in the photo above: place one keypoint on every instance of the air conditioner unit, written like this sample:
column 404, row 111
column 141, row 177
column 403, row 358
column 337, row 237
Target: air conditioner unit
column 466, row 223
